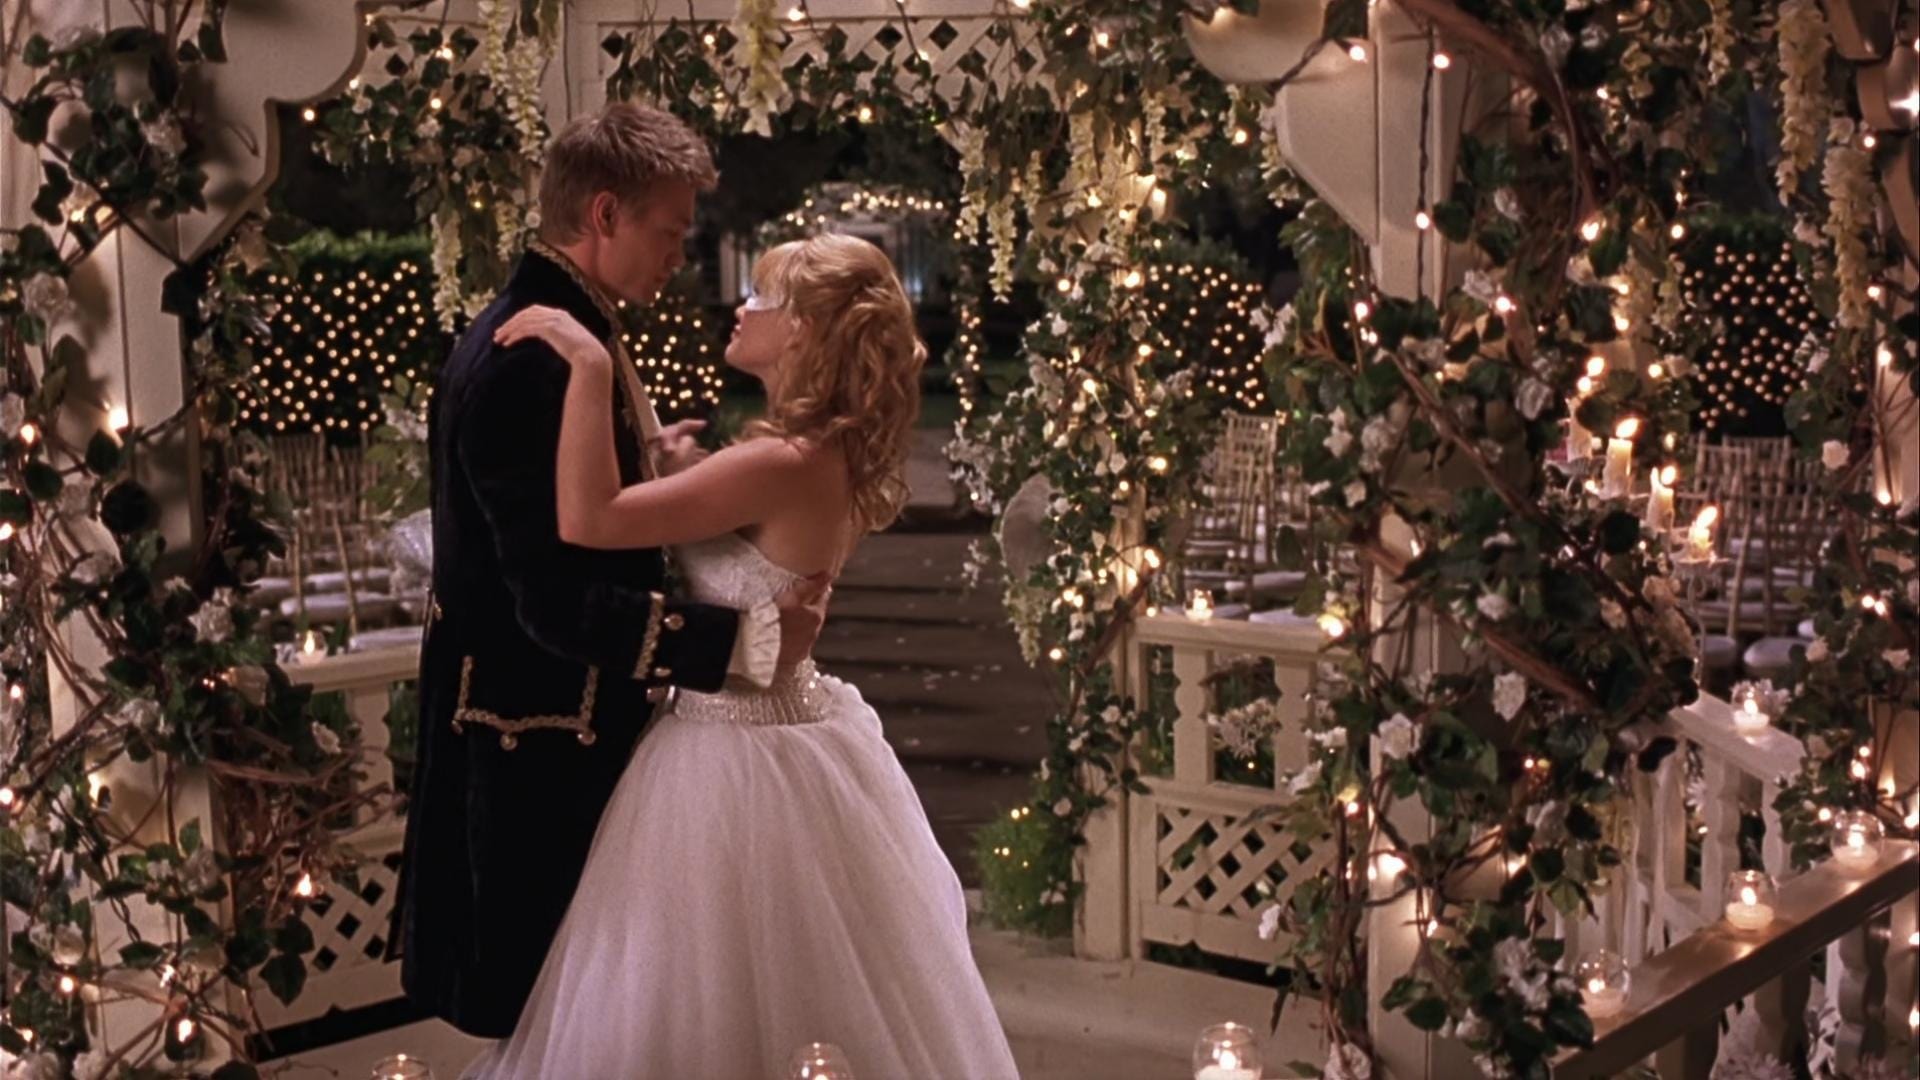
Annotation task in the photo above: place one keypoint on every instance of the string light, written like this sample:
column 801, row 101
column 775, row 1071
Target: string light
column 1422, row 220
column 1442, row 61
column 1358, row 52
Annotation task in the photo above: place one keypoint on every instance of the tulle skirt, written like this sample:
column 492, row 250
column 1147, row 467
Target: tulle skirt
column 753, row 889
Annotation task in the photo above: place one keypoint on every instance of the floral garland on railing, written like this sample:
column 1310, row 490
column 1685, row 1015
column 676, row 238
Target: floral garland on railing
column 189, row 681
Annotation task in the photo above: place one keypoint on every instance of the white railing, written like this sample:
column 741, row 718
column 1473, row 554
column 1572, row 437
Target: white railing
column 1690, row 967
column 1194, row 850
column 1177, row 865
column 348, row 968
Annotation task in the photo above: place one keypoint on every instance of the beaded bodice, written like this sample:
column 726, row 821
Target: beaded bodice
column 729, row 571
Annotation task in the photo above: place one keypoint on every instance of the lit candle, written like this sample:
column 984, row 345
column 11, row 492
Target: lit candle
column 1200, row 605
column 1226, row 1052
column 1700, row 535
column 1753, row 896
column 1855, row 840
column 1617, row 481
column 1748, row 719
column 402, row 1067
column 1604, row 981
column 1601, row 999
column 1660, row 502
column 310, row 650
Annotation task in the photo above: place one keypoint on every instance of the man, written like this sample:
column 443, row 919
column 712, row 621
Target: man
column 542, row 661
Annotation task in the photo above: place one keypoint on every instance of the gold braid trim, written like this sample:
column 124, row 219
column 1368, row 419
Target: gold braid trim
column 581, row 724
column 650, row 644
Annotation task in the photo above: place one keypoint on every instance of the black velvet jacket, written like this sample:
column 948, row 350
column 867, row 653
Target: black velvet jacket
column 534, row 675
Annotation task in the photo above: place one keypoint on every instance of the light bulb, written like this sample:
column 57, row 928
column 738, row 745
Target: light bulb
column 1442, row 61
column 1422, row 221
column 1358, row 51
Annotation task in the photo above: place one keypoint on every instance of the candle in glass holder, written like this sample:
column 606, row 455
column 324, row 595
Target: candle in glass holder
column 1855, row 839
column 819, row 1061
column 1700, row 534
column 1660, row 500
column 1604, row 981
column 1748, row 719
column 1226, row 1052
column 1751, row 900
column 402, row 1067
column 311, row 651
column 1200, row 605
column 1617, row 480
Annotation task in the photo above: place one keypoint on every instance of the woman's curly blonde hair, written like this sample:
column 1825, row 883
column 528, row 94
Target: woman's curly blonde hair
column 852, row 379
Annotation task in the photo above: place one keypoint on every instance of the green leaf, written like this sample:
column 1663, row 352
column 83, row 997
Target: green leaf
column 1428, row 1014
column 141, row 954
column 1569, row 1025
column 190, row 837
column 15, row 508
column 43, row 481
column 128, row 508
column 293, row 936
column 286, row 976
column 104, row 454
column 1608, row 253
column 1619, row 532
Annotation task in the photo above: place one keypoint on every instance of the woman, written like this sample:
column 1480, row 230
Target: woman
column 764, row 876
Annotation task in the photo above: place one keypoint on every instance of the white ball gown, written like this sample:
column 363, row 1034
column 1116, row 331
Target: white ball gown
column 764, row 877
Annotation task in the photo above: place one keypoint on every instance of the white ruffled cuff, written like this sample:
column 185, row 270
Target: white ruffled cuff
column 756, row 648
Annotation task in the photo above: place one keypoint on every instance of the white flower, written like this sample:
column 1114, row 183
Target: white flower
column 76, row 498
column 45, row 1066
column 1818, row 651
column 1502, row 539
column 1549, row 821
column 1493, row 606
column 13, row 415
column 1063, row 806
column 213, row 623
column 73, row 37
column 1330, row 739
column 1355, row 492
column 1058, row 326
column 325, row 738
column 1512, row 958
column 1834, row 455
column 1612, row 614
column 69, row 946
column 1491, row 1067
column 91, row 1065
column 1347, row 1062
column 1801, row 29
column 200, row 872
column 1897, row 658
column 164, row 135
column 1509, row 693
column 142, row 714
column 1659, row 592
column 1376, row 439
column 1471, row 1028
column 46, row 297
column 1269, row 927
column 96, row 567
column 1304, row 779
column 1282, row 326
column 1399, row 736
column 1507, row 203
column 1533, row 397
column 1751, row 1067
column 1338, row 442
column 1481, row 286
column 1556, row 43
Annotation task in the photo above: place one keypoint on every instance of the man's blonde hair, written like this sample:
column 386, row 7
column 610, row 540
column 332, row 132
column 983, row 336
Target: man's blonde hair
column 625, row 149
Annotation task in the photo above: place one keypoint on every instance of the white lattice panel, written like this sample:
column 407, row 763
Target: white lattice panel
column 348, row 969
column 1197, row 857
column 945, row 32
